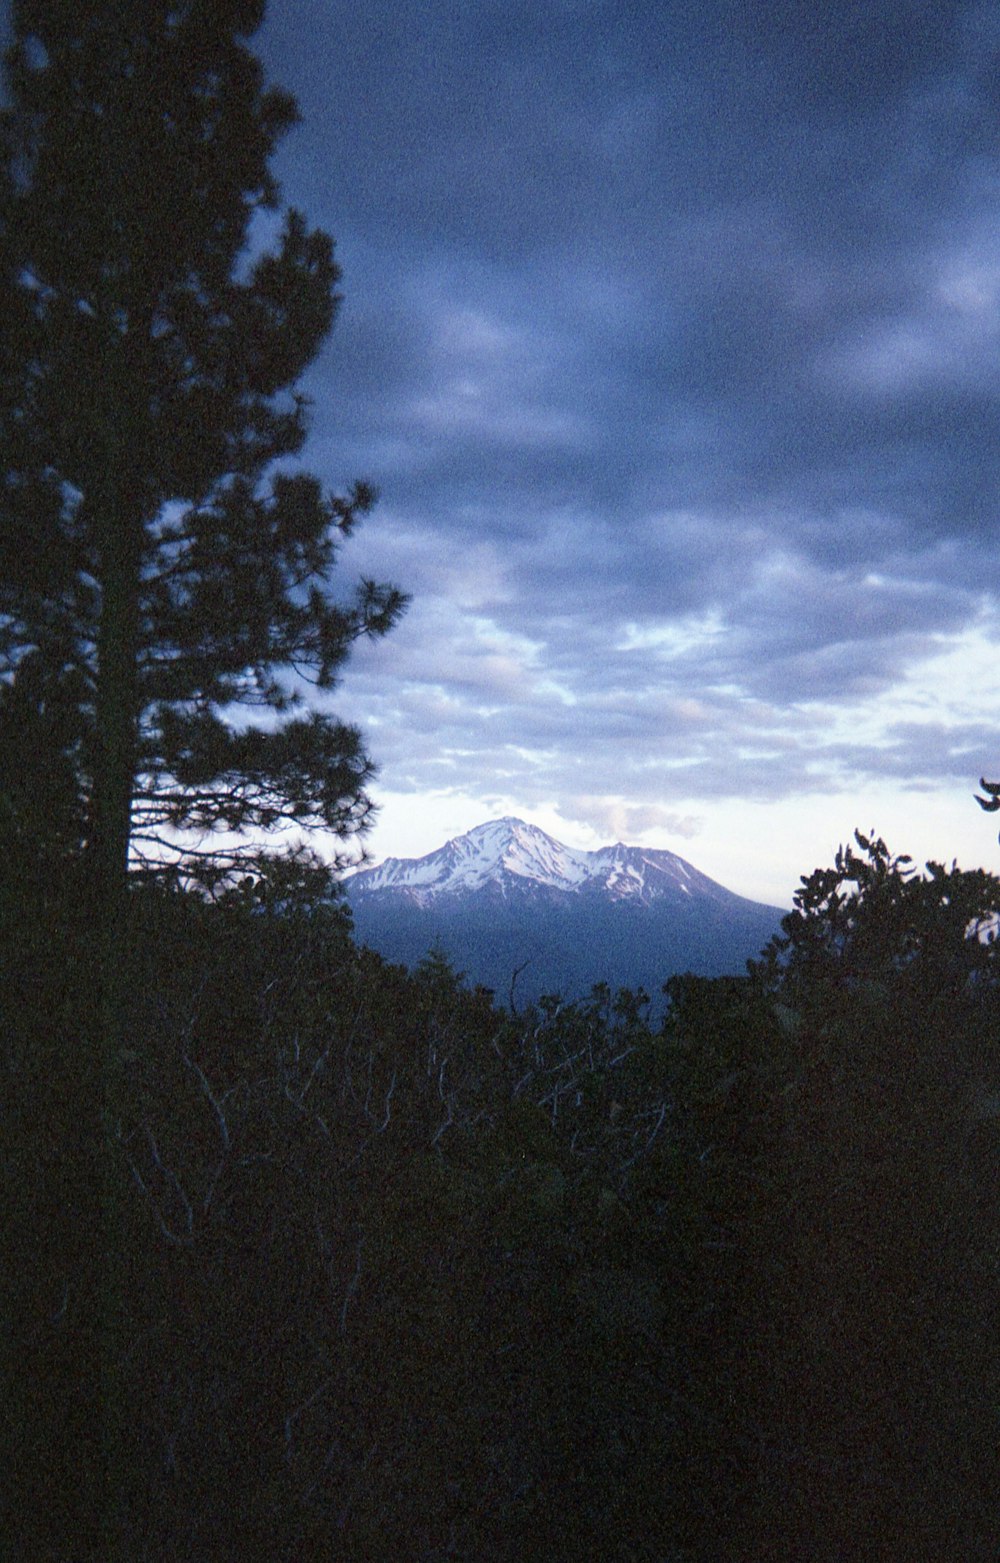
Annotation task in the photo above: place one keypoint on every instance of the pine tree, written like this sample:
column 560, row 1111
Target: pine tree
column 164, row 579
column 149, row 362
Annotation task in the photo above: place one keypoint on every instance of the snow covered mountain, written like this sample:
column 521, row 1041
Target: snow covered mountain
column 502, row 852
column 507, row 855
column 507, row 897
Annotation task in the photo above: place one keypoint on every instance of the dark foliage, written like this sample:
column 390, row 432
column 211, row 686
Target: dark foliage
column 871, row 1370
column 992, row 800
column 151, row 560
column 399, row 1269
column 164, row 592
column 408, row 1276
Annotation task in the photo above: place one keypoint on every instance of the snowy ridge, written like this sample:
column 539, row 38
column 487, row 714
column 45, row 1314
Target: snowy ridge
column 510, row 855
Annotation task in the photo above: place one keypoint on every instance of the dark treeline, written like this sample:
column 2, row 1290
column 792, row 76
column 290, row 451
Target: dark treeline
column 412, row 1276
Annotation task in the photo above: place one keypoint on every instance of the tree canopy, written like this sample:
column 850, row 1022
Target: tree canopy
column 163, row 569
column 164, row 562
column 872, row 920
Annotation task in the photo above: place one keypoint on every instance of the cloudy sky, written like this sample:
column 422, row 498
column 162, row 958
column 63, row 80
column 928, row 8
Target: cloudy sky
column 671, row 338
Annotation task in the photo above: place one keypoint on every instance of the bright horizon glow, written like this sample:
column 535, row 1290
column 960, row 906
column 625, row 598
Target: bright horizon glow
column 760, row 848
column 760, row 851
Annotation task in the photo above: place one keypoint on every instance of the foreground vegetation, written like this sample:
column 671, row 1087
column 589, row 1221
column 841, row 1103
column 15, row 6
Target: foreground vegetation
column 410, row 1276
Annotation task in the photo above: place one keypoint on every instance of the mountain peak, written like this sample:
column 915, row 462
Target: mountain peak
column 509, row 856
column 501, row 852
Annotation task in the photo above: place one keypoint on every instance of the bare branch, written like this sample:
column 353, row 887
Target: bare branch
column 352, row 1286
column 300, row 1410
column 388, row 1098
column 181, row 1239
column 648, row 1145
column 220, row 1116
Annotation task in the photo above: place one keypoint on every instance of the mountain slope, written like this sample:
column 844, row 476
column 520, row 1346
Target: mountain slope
column 506, row 897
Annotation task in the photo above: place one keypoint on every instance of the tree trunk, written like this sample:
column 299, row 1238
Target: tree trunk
column 120, row 531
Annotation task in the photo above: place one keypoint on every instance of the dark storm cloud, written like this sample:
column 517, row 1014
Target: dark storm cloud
column 670, row 336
